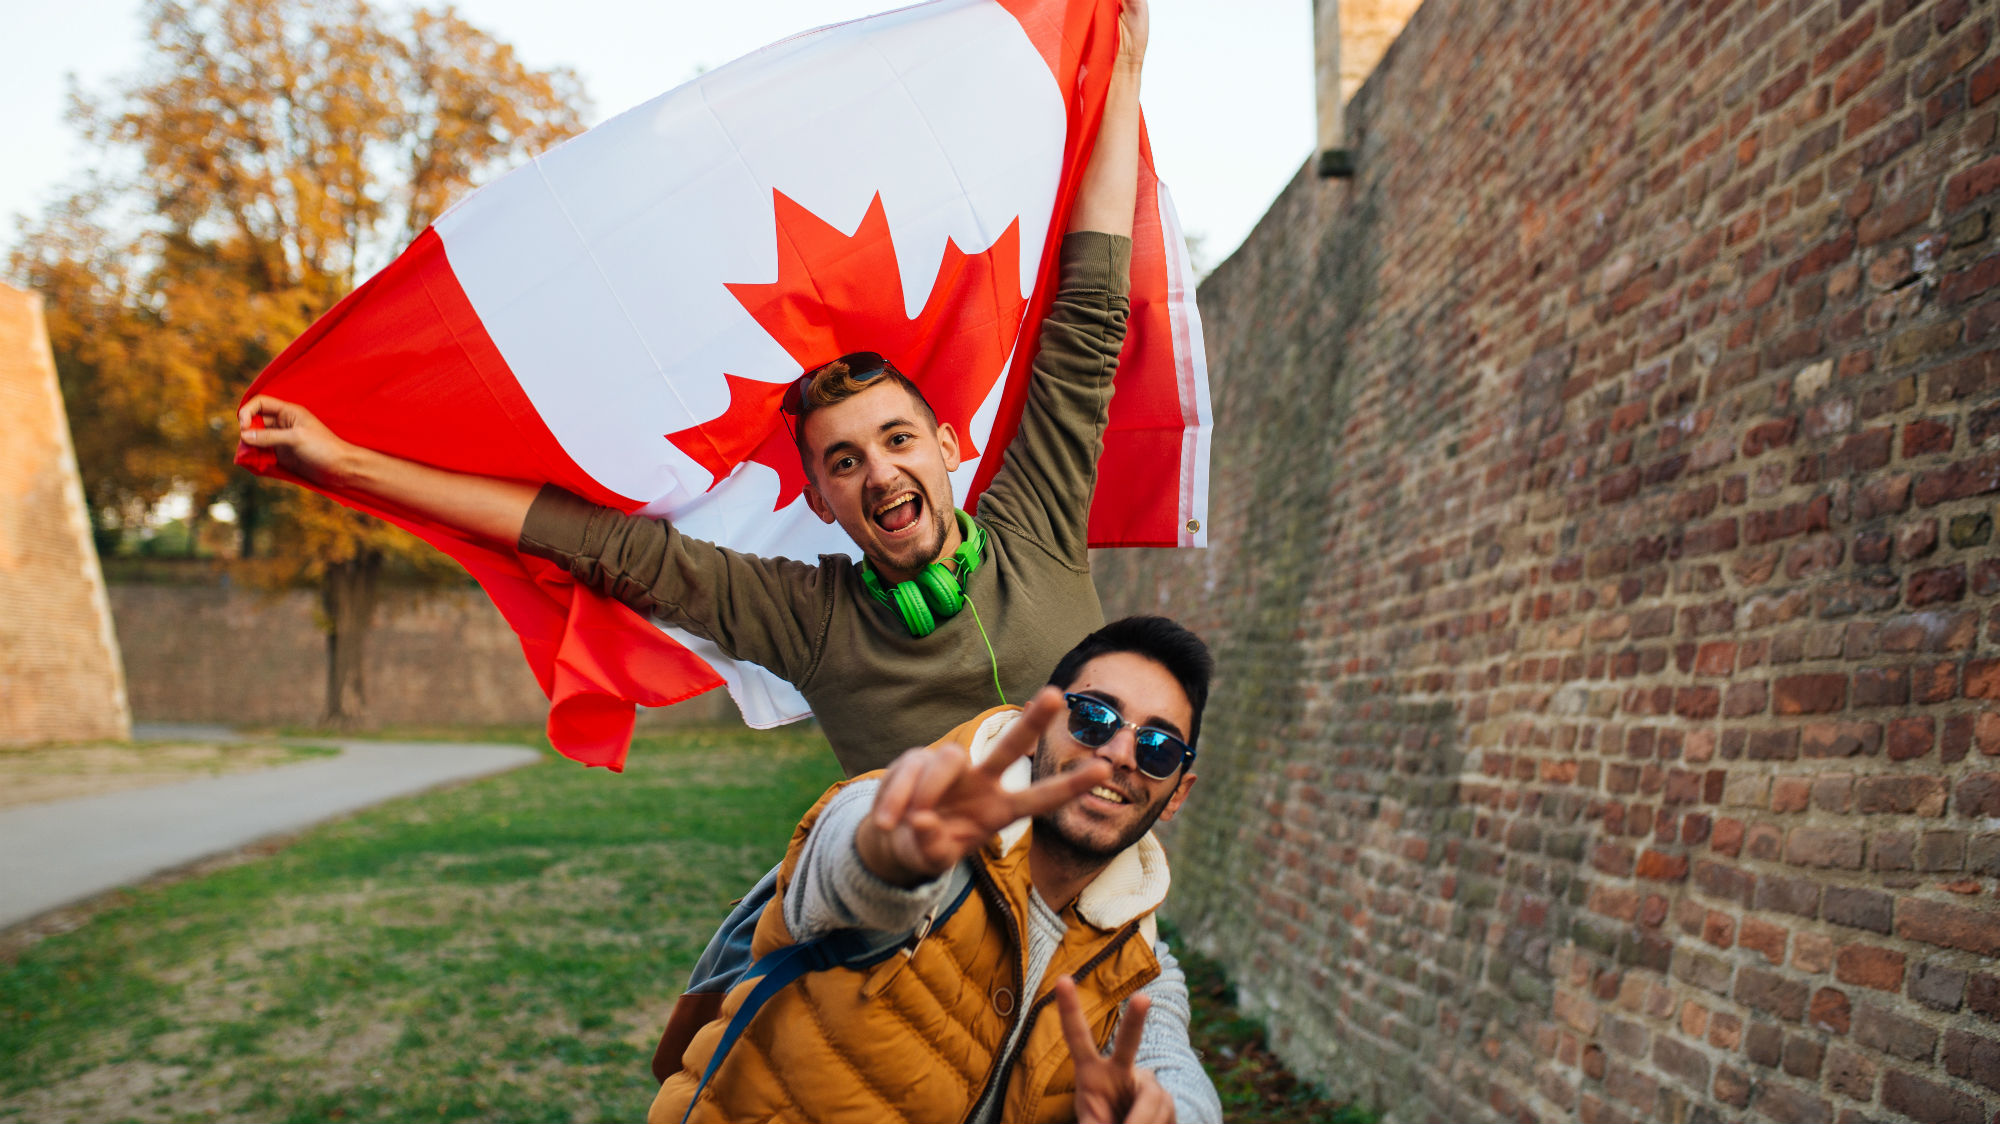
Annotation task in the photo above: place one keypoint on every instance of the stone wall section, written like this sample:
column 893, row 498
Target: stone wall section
column 1367, row 28
column 59, row 672
column 210, row 652
column 1604, row 584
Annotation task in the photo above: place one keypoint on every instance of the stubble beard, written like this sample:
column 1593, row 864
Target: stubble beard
column 1083, row 853
column 924, row 552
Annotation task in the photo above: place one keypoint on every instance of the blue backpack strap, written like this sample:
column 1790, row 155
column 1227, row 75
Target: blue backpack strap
column 843, row 948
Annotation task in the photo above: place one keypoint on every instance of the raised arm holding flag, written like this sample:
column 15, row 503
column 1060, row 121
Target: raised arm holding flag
column 880, row 649
column 550, row 385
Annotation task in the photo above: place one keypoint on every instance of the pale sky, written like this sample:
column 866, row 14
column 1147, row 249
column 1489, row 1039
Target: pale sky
column 1228, row 89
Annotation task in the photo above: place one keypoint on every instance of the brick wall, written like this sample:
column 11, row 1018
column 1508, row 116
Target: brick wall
column 1604, row 580
column 59, row 674
column 213, row 653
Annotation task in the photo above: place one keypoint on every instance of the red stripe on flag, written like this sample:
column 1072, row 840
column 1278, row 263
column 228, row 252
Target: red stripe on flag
column 406, row 361
column 1149, row 416
column 1089, row 44
column 1150, row 413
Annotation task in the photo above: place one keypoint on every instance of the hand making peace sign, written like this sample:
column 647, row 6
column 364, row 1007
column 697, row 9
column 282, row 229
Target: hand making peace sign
column 935, row 806
column 1110, row 1089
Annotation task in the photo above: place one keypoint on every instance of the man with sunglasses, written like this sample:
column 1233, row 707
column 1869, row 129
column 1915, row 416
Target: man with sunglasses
column 877, row 461
column 997, row 890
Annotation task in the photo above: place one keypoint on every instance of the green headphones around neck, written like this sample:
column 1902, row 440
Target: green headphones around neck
column 937, row 593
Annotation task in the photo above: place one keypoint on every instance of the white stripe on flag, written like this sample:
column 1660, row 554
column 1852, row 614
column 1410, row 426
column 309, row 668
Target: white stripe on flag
column 1190, row 375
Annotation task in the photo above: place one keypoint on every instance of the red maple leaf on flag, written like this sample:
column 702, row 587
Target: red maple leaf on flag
column 838, row 293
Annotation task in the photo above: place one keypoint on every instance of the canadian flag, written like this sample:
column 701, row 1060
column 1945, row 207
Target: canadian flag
column 621, row 316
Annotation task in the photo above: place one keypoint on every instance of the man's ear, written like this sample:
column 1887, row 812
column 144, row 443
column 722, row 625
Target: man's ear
column 947, row 438
column 818, row 503
column 1180, row 794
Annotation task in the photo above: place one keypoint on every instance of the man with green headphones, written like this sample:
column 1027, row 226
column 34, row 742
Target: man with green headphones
column 878, row 648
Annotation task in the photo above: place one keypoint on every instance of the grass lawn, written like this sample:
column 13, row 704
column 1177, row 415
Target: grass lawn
column 506, row 950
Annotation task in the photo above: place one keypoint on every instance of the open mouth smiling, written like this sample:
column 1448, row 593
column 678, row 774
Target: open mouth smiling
column 899, row 512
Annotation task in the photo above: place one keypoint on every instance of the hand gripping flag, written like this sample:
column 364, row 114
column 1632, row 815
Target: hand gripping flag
column 621, row 316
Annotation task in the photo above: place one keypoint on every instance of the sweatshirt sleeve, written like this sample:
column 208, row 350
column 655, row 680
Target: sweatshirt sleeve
column 831, row 888
column 1043, row 488
column 1164, row 1046
column 772, row 612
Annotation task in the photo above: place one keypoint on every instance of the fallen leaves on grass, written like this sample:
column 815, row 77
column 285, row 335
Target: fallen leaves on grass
column 1256, row 1087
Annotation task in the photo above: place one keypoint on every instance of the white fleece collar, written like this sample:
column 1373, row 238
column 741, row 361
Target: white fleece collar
column 1135, row 882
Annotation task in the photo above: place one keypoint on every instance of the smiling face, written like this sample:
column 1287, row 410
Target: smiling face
column 1096, row 826
column 880, row 468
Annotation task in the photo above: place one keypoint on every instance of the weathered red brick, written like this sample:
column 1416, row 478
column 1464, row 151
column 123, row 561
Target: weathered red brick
column 1891, row 1033
column 1978, row 795
column 1824, row 847
column 1928, row 1101
column 1811, row 694
column 1982, row 995
column 1973, row 1057
column 1840, row 739
column 1967, row 283
column 1881, row 686
column 1903, row 795
column 1925, row 436
column 1844, row 43
column 1830, row 1010
column 1788, row 1105
column 1732, row 1087
column 1982, row 679
column 1937, row 986
column 1859, row 908
column 1869, row 966
column 1942, row 583
column 1949, row 925
column 1663, row 867
column 1772, row 992
column 1764, row 937
column 1851, row 1074
column 1911, row 738
column 1887, row 221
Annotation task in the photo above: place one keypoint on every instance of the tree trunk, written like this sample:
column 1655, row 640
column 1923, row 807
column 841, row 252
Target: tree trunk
column 248, row 514
column 347, row 596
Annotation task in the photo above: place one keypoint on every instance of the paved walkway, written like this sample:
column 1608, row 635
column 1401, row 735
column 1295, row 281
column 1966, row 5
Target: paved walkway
column 64, row 851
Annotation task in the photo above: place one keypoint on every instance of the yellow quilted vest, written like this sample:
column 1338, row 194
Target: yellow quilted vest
column 916, row 1037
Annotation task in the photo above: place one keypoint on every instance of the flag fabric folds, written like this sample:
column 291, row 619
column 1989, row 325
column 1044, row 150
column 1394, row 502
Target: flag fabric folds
column 620, row 316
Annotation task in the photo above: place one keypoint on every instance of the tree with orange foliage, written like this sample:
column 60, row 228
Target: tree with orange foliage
column 284, row 150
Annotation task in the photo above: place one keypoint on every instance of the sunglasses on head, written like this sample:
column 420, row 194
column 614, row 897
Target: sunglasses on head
column 1093, row 722
column 862, row 366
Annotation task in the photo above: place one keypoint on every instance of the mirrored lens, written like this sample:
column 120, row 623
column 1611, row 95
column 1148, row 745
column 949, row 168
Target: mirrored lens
column 1159, row 754
column 1093, row 723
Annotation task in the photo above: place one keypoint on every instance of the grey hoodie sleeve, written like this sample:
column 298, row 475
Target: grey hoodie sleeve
column 1165, row 1049
column 833, row 889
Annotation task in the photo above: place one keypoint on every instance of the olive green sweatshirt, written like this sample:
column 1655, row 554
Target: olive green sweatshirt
column 876, row 689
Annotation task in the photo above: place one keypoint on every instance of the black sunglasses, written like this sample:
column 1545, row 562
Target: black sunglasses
column 862, row 366
column 1092, row 722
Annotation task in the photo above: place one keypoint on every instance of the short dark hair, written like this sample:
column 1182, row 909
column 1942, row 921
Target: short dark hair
column 1158, row 639
column 834, row 383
